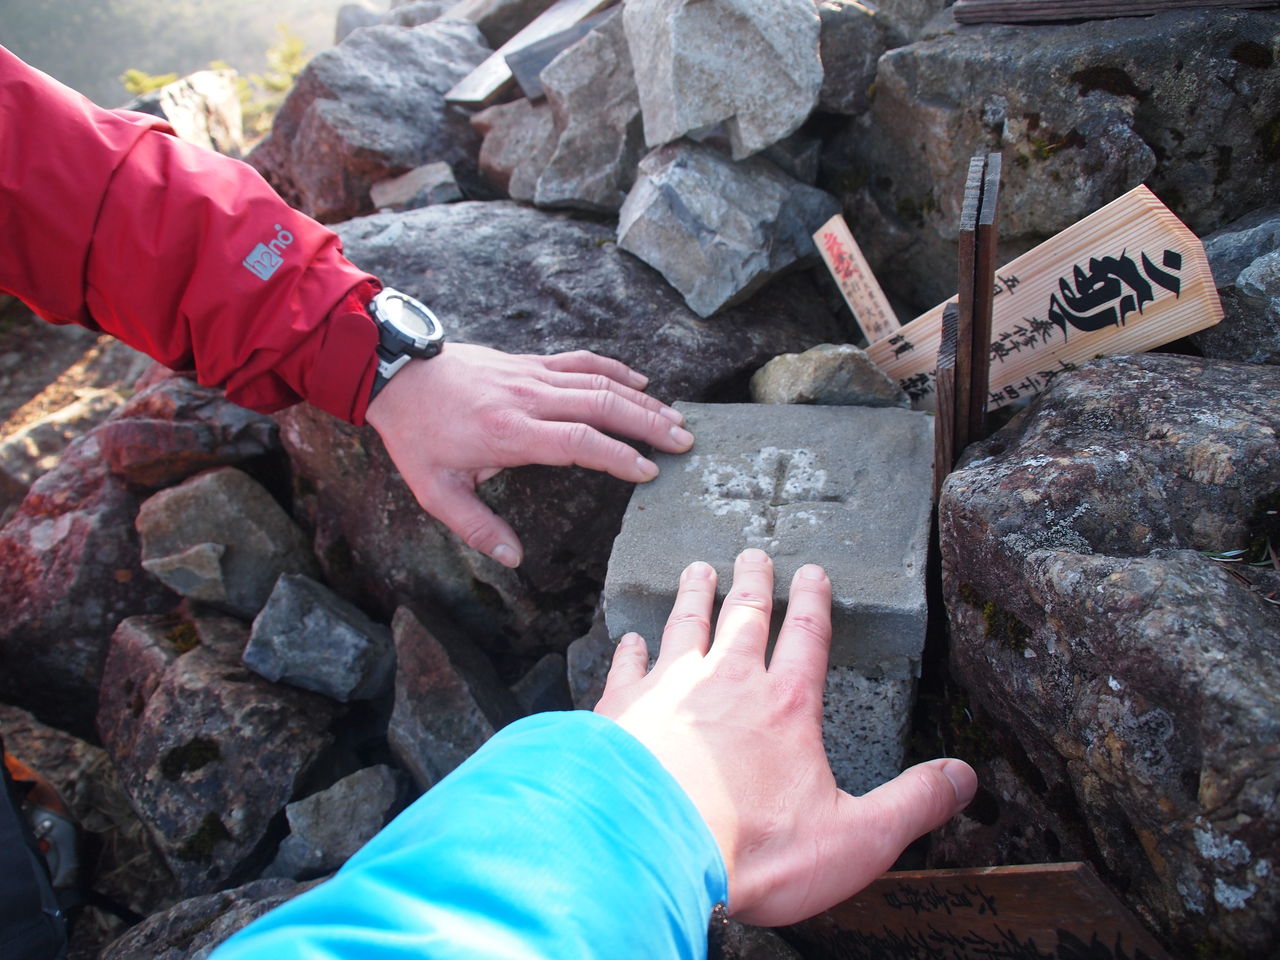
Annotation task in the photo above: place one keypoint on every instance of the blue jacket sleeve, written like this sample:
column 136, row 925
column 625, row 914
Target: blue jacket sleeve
column 562, row 838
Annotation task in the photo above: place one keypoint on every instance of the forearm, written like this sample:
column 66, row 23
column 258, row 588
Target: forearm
column 562, row 838
column 184, row 254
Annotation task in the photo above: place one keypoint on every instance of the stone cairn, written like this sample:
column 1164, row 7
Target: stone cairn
column 238, row 646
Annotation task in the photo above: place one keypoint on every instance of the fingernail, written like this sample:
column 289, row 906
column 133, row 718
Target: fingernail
column 752, row 555
column 811, row 571
column 672, row 414
column 699, row 571
column 682, row 436
column 963, row 779
column 647, row 467
column 506, row 555
column 630, row 639
column 639, row 380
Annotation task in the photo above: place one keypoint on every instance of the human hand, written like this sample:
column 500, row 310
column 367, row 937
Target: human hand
column 452, row 422
column 745, row 743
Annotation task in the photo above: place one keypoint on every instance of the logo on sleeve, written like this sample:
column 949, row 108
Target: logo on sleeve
column 266, row 258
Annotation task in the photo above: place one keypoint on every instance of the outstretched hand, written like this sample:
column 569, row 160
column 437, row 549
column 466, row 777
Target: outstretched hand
column 745, row 743
column 452, row 422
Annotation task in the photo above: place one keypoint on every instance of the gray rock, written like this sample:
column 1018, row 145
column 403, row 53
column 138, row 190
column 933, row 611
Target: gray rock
column 519, row 139
column 328, row 827
column 310, row 637
column 1137, row 674
column 68, row 574
column 370, row 109
column 865, row 723
column 1081, row 112
column 221, row 539
column 835, row 374
column 353, row 16
column 591, row 90
column 420, row 187
column 588, row 659
column 762, row 222
column 418, row 13
column 911, row 16
column 498, row 20
column 449, row 700
column 849, row 487
column 746, row 69
column 33, row 450
column 175, row 427
column 525, row 281
column 1245, row 257
column 192, row 929
column 853, row 38
column 203, row 108
column 545, row 687
column 207, row 752
column 797, row 156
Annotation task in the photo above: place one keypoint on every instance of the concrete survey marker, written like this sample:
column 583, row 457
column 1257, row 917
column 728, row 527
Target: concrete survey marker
column 846, row 487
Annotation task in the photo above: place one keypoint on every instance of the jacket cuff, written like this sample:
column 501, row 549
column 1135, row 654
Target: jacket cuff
column 343, row 367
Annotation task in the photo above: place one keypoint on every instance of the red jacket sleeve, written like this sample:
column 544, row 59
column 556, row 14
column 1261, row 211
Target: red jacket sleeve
column 111, row 222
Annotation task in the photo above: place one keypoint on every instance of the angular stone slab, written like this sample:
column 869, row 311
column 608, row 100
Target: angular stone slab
column 847, row 487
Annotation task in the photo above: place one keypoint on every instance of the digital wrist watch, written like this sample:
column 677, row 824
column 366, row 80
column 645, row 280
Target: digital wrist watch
column 407, row 329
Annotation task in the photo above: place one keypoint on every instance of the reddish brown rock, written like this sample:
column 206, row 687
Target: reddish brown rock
column 207, row 751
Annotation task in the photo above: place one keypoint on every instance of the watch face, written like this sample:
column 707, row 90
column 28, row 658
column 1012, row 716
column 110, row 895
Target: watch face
column 405, row 316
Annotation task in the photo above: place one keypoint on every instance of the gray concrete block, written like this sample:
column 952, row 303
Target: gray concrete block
column 846, row 487
column 865, row 723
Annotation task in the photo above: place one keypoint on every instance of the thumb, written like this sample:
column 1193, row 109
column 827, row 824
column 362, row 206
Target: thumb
column 453, row 502
column 920, row 799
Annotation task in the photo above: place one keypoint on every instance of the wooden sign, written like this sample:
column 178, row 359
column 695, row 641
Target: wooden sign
column 1032, row 11
column 853, row 276
column 1126, row 278
column 489, row 79
column 1037, row 912
column 527, row 64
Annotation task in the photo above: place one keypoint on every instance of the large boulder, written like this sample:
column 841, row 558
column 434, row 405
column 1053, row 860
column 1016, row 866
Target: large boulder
column 370, row 109
column 716, row 229
column 748, row 70
column 1137, row 674
column 854, row 36
column 524, row 281
column 1245, row 258
column 1082, row 112
column 208, row 752
column 519, row 138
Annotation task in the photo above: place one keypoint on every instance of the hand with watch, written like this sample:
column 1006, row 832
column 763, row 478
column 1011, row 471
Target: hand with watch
column 452, row 415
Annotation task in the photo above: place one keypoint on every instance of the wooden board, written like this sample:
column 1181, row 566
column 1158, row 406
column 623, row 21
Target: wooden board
column 1036, row 912
column 984, row 268
column 486, row 81
column 852, row 274
column 1032, row 11
column 1048, row 315
column 944, row 428
column 527, row 64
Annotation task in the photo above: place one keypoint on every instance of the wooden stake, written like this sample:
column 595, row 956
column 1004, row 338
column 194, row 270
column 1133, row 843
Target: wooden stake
column 1050, row 313
column 944, row 426
column 858, row 285
column 966, row 262
column 984, row 269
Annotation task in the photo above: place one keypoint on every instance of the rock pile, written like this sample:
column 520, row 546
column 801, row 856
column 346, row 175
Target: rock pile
column 651, row 200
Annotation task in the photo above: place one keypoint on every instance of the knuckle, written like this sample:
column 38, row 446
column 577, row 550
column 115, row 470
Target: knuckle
column 734, row 668
column 603, row 403
column 502, row 423
column 751, row 599
column 792, row 697
column 688, row 620
column 810, row 626
column 574, row 438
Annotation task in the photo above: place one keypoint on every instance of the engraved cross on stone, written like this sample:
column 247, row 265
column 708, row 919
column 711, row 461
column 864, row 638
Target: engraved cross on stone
column 757, row 487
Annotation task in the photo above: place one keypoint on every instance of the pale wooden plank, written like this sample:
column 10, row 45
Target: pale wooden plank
column 1033, row 11
column 486, row 81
